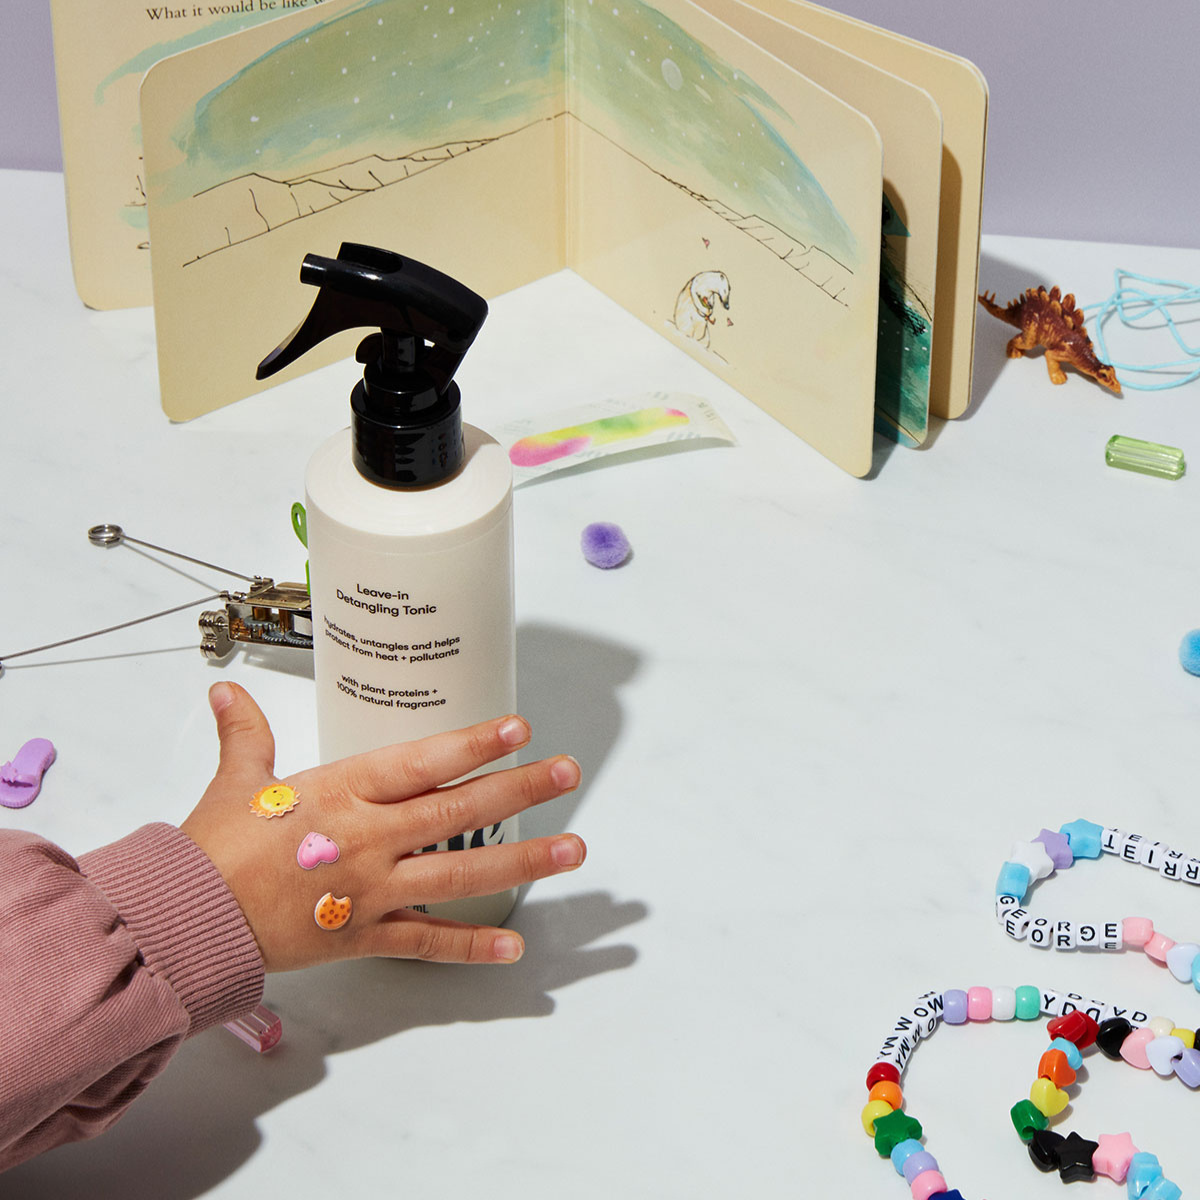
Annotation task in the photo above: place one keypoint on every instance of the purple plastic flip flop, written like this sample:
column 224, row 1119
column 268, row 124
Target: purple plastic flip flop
column 21, row 779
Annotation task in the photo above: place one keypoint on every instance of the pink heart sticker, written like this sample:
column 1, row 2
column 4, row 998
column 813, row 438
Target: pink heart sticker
column 316, row 849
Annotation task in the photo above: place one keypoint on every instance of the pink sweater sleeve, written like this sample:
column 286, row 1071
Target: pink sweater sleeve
column 106, row 965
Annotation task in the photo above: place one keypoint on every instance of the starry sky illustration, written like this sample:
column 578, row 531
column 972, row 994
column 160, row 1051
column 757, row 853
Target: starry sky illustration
column 391, row 76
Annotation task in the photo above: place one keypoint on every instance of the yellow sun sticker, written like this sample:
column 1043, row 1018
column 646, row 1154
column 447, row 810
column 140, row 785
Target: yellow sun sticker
column 274, row 800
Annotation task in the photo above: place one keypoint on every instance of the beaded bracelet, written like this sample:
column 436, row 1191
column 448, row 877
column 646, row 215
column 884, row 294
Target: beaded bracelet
column 1072, row 1029
column 1038, row 859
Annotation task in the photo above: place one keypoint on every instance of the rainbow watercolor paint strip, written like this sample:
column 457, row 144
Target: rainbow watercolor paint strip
column 611, row 427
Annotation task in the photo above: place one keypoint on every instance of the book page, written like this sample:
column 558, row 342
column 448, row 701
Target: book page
column 101, row 52
column 960, row 91
column 734, row 206
column 910, row 126
column 436, row 132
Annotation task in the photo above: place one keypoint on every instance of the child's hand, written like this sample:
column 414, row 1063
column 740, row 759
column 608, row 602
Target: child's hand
column 379, row 809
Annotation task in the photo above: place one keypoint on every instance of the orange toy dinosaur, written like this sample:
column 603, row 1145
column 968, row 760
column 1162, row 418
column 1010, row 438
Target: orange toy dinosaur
column 1050, row 320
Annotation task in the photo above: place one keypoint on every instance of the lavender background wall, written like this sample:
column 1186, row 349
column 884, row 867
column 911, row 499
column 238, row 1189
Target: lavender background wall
column 1094, row 107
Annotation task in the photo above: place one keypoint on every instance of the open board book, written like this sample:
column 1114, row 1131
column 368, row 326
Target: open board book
column 789, row 194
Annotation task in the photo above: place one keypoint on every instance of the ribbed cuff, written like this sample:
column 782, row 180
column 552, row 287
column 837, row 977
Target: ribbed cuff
column 184, row 919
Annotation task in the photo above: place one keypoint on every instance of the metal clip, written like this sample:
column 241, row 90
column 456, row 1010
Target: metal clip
column 269, row 614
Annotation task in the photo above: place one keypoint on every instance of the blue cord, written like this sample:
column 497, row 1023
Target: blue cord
column 1123, row 302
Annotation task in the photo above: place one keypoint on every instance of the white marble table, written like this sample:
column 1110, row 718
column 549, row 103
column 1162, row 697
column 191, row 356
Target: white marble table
column 813, row 714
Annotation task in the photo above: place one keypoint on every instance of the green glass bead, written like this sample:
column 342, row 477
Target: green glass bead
column 893, row 1129
column 1029, row 1003
column 1147, row 458
column 1027, row 1119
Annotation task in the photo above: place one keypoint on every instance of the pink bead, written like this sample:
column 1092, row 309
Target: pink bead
column 927, row 1184
column 1158, row 945
column 1137, row 931
column 979, row 1004
column 1112, row 1155
column 1133, row 1048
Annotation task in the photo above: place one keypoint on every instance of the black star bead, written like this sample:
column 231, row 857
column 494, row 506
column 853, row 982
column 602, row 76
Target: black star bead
column 1043, row 1149
column 1111, row 1034
column 1075, row 1158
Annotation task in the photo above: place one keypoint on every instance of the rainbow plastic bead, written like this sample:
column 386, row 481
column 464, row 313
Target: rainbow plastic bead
column 1086, row 838
column 979, row 1004
column 1047, row 1098
column 882, row 1070
column 903, row 1151
column 872, row 1111
column 1161, row 1026
column 954, row 1006
column 1053, row 1066
column 1133, row 1048
column 888, row 1092
column 1074, row 1058
column 1013, row 880
column 1186, row 1036
column 930, row 1183
column 1004, row 1003
column 1028, row 1003
column 1143, row 1171
column 1033, row 856
column 1137, row 931
column 1188, row 1067
column 1075, row 1026
column 1027, row 1118
column 1181, row 958
column 1162, row 1053
column 896, row 1127
column 918, row 1164
column 1158, row 945
column 1114, row 1152
column 1162, row 1189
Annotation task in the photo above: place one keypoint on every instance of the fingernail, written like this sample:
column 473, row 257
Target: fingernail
column 220, row 696
column 565, row 773
column 567, row 852
column 513, row 732
column 508, row 948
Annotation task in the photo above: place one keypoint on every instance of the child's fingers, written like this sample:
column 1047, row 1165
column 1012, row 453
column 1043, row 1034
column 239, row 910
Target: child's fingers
column 485, row 800
column 410, row 768
column 406, row 934
column 456, row 874
column 247, row 744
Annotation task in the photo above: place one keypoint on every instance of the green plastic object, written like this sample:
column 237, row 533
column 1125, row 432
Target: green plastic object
column 1147, row 458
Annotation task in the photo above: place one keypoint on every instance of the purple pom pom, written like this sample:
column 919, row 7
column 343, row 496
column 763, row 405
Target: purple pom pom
column 605, row 545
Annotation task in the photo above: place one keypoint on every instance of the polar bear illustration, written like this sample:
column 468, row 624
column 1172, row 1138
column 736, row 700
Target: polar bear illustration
column 695, row 308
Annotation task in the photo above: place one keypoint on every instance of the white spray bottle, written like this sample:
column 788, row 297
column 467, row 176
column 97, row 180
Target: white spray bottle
column 409, row 521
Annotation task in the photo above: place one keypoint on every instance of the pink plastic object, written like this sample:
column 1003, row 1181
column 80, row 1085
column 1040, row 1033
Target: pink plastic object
column 316, row 849
column 21, row 779
column 260, row 1029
